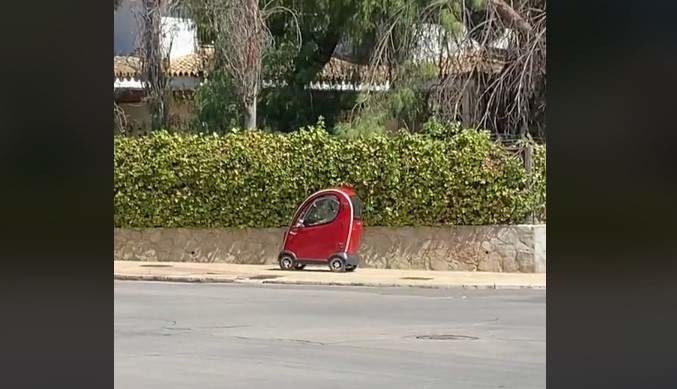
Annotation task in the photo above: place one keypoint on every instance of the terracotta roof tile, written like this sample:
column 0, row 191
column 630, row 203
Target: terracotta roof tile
column 188, row 65
column 338, row 70
column 126, row 67
column 335, row 71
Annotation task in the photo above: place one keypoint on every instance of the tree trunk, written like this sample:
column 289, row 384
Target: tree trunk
column 250, row 115
column 153, row 63
column 529, row 167
column 528, row 162
column 468, row 104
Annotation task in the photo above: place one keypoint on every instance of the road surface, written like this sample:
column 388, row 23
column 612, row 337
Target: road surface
column 264, row 336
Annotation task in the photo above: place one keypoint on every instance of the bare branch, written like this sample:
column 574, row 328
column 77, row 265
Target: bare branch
column 242, row 40
column 509, row 16
column 508, row 99
column 154, row 60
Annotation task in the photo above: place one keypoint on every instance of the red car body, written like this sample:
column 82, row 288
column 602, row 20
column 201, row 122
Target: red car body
column 325, row 230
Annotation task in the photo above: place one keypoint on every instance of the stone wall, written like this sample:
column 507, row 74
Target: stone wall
column 518, row 248
column 539, row 248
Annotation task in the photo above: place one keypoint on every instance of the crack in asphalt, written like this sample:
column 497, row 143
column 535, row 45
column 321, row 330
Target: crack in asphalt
column 301, row 341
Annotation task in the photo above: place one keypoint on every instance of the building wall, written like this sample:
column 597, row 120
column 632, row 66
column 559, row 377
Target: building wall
column 139, row 119
column 137, row 115
column 178, row 34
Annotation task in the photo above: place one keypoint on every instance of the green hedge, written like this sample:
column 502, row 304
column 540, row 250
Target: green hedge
column 256, row 179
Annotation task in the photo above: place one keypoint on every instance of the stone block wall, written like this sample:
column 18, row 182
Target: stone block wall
column 516, row 248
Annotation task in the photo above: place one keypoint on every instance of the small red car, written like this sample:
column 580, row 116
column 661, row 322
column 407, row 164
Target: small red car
column 326, row 230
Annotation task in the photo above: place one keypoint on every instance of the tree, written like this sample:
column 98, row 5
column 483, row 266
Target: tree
column 238, row 30
column 382, row 33
column 154, row 59
column 241, row 40
column 491, row 66
column 490, row 63
column 323, row 27
column 510, row 101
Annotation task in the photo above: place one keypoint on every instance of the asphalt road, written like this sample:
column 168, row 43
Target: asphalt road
column 254, row 336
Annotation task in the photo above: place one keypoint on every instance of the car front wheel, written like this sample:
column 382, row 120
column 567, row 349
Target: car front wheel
column 286, row 262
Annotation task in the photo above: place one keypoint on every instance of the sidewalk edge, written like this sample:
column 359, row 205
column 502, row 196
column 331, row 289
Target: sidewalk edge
column 194, row 279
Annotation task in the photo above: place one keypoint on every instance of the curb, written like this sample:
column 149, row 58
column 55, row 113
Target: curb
column 391, row 285
column 190, row 279
column 123, row 277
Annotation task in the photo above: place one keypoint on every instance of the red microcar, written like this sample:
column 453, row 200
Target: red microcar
column 326, row 230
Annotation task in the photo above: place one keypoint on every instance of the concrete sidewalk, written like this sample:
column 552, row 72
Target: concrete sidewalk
column 271, row 274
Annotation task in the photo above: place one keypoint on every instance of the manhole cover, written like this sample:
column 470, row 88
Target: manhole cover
column 416, row 278
column 155, row 265
column 262, row 277
column 446, row 337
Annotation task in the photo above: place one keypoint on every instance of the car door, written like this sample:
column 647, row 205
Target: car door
column 315, row 234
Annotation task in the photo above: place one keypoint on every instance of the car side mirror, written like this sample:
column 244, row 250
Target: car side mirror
column 299, row 224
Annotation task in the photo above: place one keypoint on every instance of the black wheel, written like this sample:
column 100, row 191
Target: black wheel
column 299, row 266
column 286, row 262
column 337, row 264
column 351, row 268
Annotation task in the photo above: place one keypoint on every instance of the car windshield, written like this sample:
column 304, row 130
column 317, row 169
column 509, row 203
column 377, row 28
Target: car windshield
column 323, row 210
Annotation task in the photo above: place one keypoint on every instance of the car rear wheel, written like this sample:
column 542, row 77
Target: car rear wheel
column 337, row 264
column 286, row 262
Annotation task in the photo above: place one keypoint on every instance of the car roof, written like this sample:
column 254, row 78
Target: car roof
column 345, row 189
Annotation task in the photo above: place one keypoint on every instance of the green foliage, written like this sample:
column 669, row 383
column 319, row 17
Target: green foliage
column 216, row 104
column 538, row 181
column 257, row 179
column 478, row 5
column 400, row 102
column 322, row 25
column 439, row 130
column 368, row 126
column 449, row 21
column 405, row 104
column 288, row 109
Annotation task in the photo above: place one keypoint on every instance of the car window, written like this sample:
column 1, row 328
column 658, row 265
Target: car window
column 323, row 210
column 357, row 207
